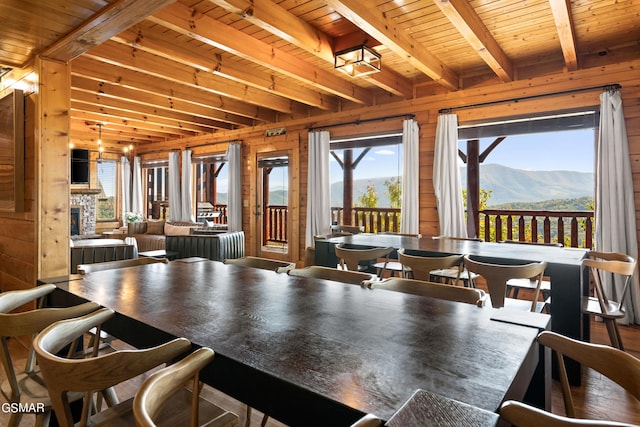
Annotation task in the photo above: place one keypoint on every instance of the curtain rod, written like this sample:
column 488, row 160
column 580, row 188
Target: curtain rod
column 357, row 122
column 214, row 143
column 613, row 86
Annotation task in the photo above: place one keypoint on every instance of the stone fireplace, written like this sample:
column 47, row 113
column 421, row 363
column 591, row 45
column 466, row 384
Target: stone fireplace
column 83, row 211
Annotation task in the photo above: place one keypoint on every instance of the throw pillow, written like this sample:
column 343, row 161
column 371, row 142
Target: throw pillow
column 176, row 230
column 137, row 227
column 155, row 227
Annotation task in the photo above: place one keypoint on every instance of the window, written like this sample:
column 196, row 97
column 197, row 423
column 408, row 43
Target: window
column 106, row 200
column 366, row 181
column 212, row 187
column 531, row 179
column 157, row 189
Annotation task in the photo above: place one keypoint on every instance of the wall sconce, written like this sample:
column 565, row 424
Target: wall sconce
column 100, row 147
column 357, row 61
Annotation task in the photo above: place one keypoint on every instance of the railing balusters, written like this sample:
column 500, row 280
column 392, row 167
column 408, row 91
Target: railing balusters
column 580, row 234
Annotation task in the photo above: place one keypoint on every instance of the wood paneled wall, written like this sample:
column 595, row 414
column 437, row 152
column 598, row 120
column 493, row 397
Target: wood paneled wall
column 426, row 109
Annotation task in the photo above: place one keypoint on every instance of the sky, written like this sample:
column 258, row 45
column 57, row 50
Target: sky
column 569, row 150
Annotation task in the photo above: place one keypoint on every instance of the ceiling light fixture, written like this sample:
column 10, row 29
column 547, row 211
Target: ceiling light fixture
column 357, row 61
column 100, row 148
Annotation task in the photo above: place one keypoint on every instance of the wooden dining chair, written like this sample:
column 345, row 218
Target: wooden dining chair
column 156, row 399
column 449, row 275
column 362, row 259
column 432, row 290
column 112, row 265
column 497, row 275
column 26, row 386
column 425, row 267
column 515, row 285
column 615, row 364
column 335, row 274
column 522, row 415
column 98, row 372
column 614, row 267
column 262, row 263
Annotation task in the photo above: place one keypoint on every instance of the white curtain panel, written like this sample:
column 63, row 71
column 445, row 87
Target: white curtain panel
column 234, row 203
column 615, row 209
column 318, row 187
column 125, row 170
column 175, row 199
column 137, row 204
column 409, row 210
column 446, row 178
column 187, row 188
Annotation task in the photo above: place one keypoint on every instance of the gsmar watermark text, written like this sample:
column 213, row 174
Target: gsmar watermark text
column 16, row 408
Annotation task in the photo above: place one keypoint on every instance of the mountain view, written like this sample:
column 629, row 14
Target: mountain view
column 508, row 187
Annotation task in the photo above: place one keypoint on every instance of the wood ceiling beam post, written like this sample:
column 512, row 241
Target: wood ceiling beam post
column 468, row 23
column 561, row 10
column 274, row 18
column 112, row 19
column 188, row 22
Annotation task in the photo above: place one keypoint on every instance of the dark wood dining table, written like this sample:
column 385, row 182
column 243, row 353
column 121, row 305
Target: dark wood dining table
column 563, row 269
column 312, row 352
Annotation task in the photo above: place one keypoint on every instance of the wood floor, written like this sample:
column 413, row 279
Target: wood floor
column 598, row 398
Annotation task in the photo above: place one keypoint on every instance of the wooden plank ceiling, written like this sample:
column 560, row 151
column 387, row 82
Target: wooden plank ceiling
column 158, row 70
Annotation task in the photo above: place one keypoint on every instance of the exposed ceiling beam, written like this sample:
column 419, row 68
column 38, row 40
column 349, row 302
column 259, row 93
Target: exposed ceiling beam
column 186, row 21
column 561, row 10
column 375, row 23
column 112, row 19
column 167, row 127
column 284, row 24
column 132, row 59
column 218, row 108
column 463, row 16
column 156, row 43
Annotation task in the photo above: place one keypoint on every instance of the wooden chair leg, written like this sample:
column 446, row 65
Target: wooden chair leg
column 264, row 420
column 247, row 422
column 613, row 332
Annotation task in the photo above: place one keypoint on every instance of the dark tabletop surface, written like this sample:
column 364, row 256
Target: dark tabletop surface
column 339, row 345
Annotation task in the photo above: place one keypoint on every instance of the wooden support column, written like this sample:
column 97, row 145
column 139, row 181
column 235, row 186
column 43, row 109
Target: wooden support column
column 347, row 197
column 473, row 187
column 53, row 103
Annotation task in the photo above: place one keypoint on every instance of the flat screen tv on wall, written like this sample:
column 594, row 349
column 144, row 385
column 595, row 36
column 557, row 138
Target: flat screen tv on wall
column 79, row 166
column 12, row 152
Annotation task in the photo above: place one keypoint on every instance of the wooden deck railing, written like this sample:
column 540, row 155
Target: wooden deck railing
column 374, row 220
column 276, row 224
column 571, row 228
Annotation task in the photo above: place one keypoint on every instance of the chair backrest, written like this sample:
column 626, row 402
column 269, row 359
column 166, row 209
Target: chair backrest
column 433, row 290
column 422, row 266
column 262, row 263
column 612, row 264
column 522, row 415
column 111, row 265
column 349, row 258
column 29, row 323
column 353, row 229
column 497, row 275
column 620, row 367
column 328, row 273
column 62, row 375
column 163, row 385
